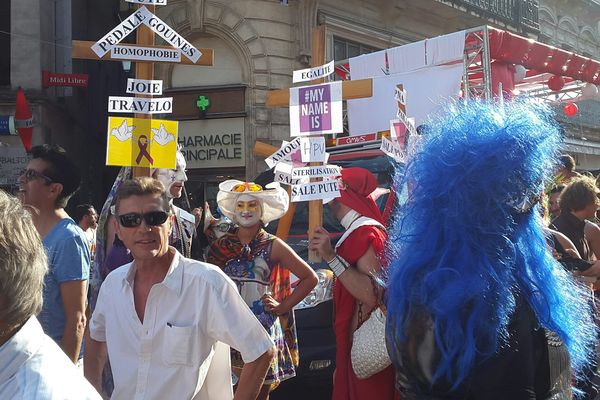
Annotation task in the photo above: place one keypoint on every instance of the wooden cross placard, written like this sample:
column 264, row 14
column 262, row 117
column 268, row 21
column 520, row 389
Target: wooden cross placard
column 144, row 53
column 281, row 98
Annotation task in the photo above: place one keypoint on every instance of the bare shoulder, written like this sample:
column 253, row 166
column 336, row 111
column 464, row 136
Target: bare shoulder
column 591, row 228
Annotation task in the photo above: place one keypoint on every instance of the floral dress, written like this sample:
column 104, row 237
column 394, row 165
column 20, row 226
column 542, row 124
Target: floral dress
column 250, row 267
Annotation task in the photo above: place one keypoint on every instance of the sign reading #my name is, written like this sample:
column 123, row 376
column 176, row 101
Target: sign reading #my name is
column 316, row 109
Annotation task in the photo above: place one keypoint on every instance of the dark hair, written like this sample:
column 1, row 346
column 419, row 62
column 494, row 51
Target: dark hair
column 568, row 162
column 557, row 189
column 81, row 211
column 140, row 187
column 60, row 170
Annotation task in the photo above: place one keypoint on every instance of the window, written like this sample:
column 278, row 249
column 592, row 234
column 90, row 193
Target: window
column 5, row 43
column 344, row 49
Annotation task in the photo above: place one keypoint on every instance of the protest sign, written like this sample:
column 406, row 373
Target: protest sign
column 316, row 109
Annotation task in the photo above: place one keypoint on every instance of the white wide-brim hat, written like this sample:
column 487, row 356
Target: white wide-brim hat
column 274, row 199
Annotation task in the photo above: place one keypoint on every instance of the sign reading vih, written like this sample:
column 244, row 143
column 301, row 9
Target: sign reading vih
column 139, row 142
column 316, row 109
column 312, row 149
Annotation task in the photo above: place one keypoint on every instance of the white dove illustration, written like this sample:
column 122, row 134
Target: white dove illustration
column 123, row 132
column 161, row 136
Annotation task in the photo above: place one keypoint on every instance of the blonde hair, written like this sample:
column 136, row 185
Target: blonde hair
column 23, row 263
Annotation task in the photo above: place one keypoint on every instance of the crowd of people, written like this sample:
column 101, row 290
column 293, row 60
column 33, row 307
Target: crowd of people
column 485, row 277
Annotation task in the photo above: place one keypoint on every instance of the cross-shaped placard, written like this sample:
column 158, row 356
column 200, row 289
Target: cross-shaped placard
column 281, row 98
column 144, row 53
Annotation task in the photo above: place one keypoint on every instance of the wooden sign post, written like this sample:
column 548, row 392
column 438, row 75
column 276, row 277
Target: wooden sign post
column 144, row 69
column 350, row 90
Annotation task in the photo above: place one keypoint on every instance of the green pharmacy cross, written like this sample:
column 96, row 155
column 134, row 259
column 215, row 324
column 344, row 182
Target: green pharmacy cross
column 202, row 103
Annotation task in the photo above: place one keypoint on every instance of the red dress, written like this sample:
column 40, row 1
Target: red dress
column 346, row 386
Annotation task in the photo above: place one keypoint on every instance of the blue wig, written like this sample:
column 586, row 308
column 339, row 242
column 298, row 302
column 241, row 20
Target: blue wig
column 466, row 244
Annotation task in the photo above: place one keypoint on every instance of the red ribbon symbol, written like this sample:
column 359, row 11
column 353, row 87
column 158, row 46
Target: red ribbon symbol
column 143, row 150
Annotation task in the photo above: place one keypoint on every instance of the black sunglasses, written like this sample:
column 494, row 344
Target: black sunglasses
column 31, row 174
column 152, row 218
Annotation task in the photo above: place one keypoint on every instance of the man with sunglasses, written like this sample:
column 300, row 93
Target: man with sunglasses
column 46, row 185
column 162, row 319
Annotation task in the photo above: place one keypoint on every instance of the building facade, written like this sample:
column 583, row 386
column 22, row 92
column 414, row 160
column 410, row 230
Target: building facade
column 222, row 110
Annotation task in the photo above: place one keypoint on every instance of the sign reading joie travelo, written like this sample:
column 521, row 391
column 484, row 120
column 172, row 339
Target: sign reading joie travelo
column 131, row 23
column 316, row 109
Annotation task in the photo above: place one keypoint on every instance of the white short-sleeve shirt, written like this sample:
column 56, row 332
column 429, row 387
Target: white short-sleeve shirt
column 32, row 366
column 170, row 355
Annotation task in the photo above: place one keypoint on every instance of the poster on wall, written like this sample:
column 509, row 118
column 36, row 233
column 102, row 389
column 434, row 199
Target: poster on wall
column 138, row 142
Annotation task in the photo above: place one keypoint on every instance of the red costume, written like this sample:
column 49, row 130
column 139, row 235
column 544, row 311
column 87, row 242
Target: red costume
column 357, row 185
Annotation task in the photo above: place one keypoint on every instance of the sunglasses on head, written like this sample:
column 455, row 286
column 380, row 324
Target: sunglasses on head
column 152, row 218
column 31, row 174
column 247, row 187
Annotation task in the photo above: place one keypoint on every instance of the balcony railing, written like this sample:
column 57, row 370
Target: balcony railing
column 521, row 14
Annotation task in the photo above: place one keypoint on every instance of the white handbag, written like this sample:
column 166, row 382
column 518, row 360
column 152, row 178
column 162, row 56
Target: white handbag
column 369, row 352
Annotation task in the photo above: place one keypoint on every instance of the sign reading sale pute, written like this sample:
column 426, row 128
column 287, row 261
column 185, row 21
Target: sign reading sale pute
column 316, row 110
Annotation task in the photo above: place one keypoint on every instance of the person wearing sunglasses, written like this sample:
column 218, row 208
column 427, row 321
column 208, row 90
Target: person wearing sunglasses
column 260, row 265
column 47, row 184
column 164, row 320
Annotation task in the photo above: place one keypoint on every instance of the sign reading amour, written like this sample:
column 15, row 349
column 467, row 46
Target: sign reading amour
column 145, row 54
column 117, row 104
column 315, row 191
column 284, row 153
column 144, row 86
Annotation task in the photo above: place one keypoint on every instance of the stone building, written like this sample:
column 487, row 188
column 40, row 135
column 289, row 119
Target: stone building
column 257, row 44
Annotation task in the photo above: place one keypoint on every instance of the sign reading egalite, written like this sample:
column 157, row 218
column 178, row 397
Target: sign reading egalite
column 141, row 142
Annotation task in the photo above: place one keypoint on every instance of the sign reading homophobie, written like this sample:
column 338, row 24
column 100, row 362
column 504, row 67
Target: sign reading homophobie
column 316, row 109
column 140, row 53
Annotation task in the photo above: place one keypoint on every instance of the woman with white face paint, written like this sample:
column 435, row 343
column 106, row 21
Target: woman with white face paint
column 185, row 222
column 259, row 264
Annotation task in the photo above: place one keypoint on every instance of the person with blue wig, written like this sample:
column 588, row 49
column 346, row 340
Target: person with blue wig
column 478, row 308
